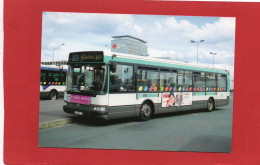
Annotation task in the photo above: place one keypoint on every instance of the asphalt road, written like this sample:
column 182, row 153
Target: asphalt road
column 184, row 131
column 52, row 110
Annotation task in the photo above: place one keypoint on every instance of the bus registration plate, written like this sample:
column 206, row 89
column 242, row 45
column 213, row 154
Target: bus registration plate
column 78, row 113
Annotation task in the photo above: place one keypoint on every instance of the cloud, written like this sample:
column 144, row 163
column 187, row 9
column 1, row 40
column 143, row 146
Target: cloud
column 138, row 29
column 87, row 23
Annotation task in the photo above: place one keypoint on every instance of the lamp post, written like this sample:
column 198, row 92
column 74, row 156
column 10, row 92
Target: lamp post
column 56, row 49
column 197, row 42
column 213, row 56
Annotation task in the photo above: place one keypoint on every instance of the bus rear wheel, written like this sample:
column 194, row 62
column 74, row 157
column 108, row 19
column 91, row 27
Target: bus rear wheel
column 146, row 111
column 53, row 95
column 210, row 104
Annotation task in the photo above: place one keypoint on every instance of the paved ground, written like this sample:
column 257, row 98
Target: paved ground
column 52, row 110
column 52, row 115
column 186, row 131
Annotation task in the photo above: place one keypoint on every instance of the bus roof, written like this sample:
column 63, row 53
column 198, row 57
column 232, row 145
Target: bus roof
column 120, row 57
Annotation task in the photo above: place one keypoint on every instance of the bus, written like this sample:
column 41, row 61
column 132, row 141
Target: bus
column 113, row 85
column 52, row 83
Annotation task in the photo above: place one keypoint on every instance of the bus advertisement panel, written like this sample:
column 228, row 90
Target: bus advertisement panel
column 170, row 99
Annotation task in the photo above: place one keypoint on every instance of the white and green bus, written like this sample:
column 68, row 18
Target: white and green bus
column 114, row 85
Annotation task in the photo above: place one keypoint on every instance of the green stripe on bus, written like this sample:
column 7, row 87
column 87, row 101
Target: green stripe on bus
column 203, row 93
column 211, row 93
column 198, row 93
column 147, row 95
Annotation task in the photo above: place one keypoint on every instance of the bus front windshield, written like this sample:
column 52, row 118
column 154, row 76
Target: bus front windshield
column 86, row 79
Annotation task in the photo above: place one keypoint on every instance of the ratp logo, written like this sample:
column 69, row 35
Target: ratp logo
column 114, row 46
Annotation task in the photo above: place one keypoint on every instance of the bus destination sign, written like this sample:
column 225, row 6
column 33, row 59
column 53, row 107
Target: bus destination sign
column 93, row 56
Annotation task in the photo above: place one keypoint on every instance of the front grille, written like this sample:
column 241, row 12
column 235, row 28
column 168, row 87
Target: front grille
column 79, row 106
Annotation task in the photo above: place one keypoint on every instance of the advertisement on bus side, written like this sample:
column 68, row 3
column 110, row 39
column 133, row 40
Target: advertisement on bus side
column 176, row 99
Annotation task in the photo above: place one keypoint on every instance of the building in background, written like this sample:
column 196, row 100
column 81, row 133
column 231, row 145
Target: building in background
column 129, row 45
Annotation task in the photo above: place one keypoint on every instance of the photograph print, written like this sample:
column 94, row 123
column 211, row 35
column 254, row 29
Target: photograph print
column 136, row 82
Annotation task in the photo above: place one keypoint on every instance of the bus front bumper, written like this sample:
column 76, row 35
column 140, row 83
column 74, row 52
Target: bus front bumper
column 86, row 110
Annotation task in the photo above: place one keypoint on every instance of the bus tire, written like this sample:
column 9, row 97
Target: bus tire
column 210, row 104
column 146, row 111
column 53, row 95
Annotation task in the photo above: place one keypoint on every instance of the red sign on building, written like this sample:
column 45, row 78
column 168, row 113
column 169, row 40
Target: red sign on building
column 114, row 46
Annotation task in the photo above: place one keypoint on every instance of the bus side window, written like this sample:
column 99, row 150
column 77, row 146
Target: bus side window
column 121, row 78
column 56, row 76
column 63, row 77
column 164, row 79
column 199, row 82
column 180, row 80
column 112, row 68
column 112, row 74
column 147, row 79
column 211, row 82
column 222, row 83
column 50, row 77
column 43, row 76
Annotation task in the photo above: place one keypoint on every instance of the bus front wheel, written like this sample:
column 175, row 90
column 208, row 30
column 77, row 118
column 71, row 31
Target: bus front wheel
column 210, row 104
column 146, row 111
column 53, row 95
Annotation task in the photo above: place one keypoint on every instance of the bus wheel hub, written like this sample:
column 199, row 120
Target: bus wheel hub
column 146, row 110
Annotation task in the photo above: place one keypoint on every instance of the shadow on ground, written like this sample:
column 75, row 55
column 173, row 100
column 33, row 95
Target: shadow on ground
column 100, row 122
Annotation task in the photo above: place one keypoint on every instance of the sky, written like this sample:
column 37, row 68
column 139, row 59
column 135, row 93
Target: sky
column 166, row 36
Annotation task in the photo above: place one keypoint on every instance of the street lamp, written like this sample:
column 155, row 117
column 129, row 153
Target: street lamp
column 197, row 42
column 56, row 49
column 213, row 56
column 108, row 47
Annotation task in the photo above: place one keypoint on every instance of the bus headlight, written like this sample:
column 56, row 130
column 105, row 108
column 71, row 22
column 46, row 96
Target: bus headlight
column 97, row 108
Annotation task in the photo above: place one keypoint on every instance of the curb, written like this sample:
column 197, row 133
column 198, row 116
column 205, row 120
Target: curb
column 55, row 123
